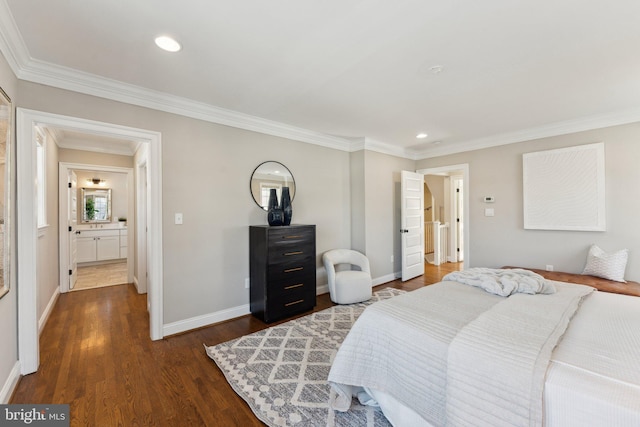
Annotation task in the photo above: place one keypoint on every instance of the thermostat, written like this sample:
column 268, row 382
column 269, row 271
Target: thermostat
column 489, row 199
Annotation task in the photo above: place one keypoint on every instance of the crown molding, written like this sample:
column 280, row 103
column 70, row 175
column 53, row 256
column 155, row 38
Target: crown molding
column 12, row 45
column 27, row 68
column 550, row 130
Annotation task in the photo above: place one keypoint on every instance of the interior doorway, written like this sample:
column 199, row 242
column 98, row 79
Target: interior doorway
column 95, row 254
column 451, row 208
column 27, row 230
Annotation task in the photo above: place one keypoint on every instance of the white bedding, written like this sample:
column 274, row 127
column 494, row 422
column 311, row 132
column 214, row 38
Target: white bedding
column 594, row 375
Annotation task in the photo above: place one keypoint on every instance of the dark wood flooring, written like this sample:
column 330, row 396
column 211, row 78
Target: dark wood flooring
column 96, row 355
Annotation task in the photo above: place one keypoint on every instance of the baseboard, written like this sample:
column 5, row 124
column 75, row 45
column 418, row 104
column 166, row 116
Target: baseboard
column 231, row 313
column 323, row 289
column 204, row 320
column 47, row 310
column 387, row 278
column 10, row 384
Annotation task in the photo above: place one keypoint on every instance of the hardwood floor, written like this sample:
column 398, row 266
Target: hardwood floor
column 96, row 355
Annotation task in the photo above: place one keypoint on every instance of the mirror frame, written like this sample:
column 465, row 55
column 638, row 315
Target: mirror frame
column 254, row 180
column 6, row 121
column 84, row 205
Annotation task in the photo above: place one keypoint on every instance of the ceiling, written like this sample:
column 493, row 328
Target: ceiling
column 348, row 73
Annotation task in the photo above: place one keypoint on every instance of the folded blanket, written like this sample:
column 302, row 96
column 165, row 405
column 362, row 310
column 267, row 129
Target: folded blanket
column 503, row 282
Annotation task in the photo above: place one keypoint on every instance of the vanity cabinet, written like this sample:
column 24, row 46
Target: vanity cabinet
column 98, row 245
column 282, row 267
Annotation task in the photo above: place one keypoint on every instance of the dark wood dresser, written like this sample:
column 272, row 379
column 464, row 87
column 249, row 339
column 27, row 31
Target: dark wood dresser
column 282, row 266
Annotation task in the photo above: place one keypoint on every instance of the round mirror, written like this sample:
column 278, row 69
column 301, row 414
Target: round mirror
column 269, row 175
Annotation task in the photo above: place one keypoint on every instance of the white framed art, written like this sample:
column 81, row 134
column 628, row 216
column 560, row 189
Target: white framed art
column 564, row 189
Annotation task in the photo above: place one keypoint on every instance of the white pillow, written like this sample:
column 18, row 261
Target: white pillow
column 608, row 266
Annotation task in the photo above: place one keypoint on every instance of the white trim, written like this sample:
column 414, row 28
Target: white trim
column 28, row 349
column 10, row 384
column 47, row 311
column 205, row 320
column 464, row 167
column 322, row 289
column 28, row 353
column 387, row 278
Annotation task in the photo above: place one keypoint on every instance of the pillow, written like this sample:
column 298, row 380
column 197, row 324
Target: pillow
column 609, row 266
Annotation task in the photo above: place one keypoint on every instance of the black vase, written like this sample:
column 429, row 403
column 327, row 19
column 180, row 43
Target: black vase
column 274, row 212
column 287, row 211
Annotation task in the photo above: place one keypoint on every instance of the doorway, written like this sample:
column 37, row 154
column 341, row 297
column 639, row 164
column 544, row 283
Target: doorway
column 453, row 208
column 27, row 121
column 103, row 255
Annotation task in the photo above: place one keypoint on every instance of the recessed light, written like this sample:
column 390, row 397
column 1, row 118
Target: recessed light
column 167, row 43
column 421, row 135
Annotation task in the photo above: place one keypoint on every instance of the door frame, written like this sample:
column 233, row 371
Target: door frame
column 63, row 206
column 142, row 209
column 27, row 236
column 446, row 170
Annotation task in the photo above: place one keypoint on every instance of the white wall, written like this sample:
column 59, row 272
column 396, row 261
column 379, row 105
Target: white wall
column 502, row 239
column 9, row 371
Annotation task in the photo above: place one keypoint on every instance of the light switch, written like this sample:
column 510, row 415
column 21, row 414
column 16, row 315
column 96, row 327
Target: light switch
column 488, row 212
column 178, row 219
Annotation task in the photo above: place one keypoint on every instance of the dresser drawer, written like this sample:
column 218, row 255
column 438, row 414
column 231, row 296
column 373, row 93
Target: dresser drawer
column 297, row 252
column 290, row 236
column 292, row 283
column 293, row 302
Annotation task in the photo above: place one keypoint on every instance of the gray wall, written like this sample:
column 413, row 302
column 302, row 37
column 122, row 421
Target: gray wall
column 502, row 239
column 206, row 171
column 382, row 211
column 9, row 303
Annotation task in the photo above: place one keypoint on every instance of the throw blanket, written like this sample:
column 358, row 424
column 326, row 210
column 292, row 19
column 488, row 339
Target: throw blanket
column 425, row 347
column 503, row 282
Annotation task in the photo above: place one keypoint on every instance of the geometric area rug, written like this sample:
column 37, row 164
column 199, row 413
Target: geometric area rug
column 281, row 371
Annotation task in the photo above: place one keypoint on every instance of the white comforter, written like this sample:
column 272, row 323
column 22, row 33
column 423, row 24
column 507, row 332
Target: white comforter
column 424, row 349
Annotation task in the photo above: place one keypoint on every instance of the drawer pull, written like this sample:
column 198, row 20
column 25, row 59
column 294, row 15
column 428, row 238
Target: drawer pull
column 293, row 253
column 291, row 237
column 294, row 303
column 290, row 270
column 295, row 286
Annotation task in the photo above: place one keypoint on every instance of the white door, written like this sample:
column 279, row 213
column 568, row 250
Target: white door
column 73, row 223
column 412, row 224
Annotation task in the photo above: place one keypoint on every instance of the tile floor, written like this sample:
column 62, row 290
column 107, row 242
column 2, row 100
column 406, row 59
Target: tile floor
column 98, row 276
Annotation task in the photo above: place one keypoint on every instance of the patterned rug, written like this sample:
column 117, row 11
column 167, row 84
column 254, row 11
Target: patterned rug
column 281, row 372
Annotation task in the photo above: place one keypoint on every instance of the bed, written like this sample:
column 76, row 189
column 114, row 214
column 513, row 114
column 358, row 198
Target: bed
column 451, row 354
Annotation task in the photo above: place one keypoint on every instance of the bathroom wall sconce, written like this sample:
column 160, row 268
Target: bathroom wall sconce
column 96, row 181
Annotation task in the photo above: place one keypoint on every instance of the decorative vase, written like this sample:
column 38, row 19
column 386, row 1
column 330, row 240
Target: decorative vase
column 274, row 212
column 287, row 211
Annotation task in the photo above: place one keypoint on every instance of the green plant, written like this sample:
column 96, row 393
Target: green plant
column 90, row 209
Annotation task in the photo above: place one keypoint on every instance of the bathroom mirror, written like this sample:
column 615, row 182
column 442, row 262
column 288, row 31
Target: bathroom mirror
column 5, row 186
column 96, row 205
column 270, row 175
